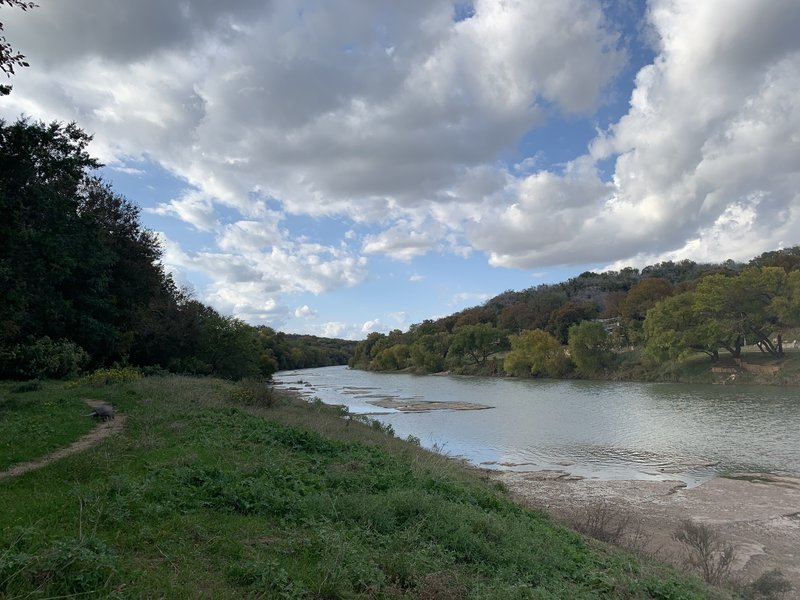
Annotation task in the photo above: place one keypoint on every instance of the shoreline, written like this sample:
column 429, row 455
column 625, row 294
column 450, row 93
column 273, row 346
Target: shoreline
column 758, row 513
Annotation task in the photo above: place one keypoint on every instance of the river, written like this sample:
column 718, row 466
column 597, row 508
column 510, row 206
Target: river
column 590, row 429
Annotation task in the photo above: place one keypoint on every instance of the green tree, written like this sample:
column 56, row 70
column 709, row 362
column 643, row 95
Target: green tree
column 394, row 358
column 428, row 352
column 537, row 353
column 742, row 306
column 674, row 330
column 473, row 344
column 589, row 347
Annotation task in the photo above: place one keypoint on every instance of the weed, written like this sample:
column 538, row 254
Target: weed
column 254, row 392
column 771, row 585
column 706, row 551
column 110, row 376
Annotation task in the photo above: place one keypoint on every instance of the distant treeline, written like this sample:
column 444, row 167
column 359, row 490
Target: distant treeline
column 595, row 323
column 81, row 285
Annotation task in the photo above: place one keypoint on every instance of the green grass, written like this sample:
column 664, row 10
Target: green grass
column 199, row 497
column 38, row 418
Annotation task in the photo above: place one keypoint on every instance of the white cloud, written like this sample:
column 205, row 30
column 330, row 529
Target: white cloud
column 463, row 298
column 304, row 312
column 707, row 164
column 372, row 325
column 192, row 208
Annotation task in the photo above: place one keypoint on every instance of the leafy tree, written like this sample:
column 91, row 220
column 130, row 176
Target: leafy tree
column 786, row 258
column 535, row 352
column 742, row 306
column 567, row 315
column 642, row 297
column 673, row 329
column 394, row 358
column 589, row 347
column 428, row 352
column 475, row 343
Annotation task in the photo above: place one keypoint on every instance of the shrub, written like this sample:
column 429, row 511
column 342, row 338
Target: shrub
column 111, row 376
column 707, row 552
column 771, row 585
column 43, row 358
column 254, row 392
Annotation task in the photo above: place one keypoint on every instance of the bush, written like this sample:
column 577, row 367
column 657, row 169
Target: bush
column 771, row 585
column 254, row 392
column 707, row 552
column 43, row 358
column 111, row 376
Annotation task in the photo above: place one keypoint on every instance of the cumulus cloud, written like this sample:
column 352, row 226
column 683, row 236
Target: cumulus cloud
column 304, row 312
column 399, row 116
column 707, row 164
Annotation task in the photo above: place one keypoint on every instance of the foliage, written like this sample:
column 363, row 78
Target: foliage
column 642, row 297
column 535, row 353
column 473, row 344
column 589, row 348
column 110, row 376
column 254, row 392
column 674, row 330
column 42, row 359
column 82, row 284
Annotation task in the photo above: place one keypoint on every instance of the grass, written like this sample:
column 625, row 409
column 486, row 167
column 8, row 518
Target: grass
column 38, row 418
column 202, row 497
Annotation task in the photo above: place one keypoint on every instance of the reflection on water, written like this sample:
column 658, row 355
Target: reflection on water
column 599, row 430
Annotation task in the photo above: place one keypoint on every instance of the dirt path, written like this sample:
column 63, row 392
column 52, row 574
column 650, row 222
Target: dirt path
column 102, row 431
column 759, row 515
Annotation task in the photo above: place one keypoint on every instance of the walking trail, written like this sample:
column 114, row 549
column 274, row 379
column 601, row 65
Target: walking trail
column 102, row 431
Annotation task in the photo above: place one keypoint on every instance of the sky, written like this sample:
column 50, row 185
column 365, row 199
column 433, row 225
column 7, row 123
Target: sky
column 340, row 167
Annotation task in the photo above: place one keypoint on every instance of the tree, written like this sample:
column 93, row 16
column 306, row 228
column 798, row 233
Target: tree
column 535, row 352
column 742, row 306
column 589, row 347
column 567, row 315
column 641, row 298
column 428, row 352
column 673, row 330
column 476, row 343
column 9, row 58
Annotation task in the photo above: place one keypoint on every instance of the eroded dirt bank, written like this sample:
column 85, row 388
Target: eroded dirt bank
column 759, row 514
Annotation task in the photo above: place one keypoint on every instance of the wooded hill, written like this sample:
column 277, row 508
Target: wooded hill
column 81, row 285
column 596, row 323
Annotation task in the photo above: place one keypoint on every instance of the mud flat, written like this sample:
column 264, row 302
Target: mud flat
column 759, row 514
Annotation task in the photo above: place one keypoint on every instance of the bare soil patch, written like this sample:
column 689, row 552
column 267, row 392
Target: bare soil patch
column 758, row 514
column 102, row 431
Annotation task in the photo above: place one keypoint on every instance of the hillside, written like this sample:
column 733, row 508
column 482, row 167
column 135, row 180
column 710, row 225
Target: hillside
column 630, row 324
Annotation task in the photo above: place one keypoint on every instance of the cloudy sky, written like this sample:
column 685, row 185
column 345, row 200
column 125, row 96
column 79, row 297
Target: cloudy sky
column 341, row 166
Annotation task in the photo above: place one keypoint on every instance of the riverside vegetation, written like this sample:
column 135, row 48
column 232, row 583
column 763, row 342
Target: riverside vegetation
column 215, row 489
column 668, row 322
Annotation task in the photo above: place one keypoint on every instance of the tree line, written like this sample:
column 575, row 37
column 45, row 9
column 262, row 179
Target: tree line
column 81, row 285
column 591, row 324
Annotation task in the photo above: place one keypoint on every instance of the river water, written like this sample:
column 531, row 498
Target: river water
column 600, row 430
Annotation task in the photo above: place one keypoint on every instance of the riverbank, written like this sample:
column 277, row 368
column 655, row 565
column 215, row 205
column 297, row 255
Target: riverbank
column 227, row 491
column 757, row 514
